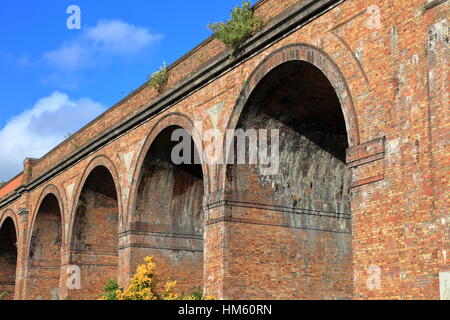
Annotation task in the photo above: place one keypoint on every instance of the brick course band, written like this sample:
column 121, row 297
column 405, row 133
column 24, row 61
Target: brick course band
column 252, row 205
column 254, row 222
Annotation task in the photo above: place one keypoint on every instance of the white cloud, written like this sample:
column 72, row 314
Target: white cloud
column 99, row 44
column 11, row 59
column 69, row 56
column 119, row 37
column 36, row 131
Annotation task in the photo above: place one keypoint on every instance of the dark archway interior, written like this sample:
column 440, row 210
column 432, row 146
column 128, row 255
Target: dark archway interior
column 308, row 106
column 309, row 194
column 298, row 100
column 95, row 233
column 8, row 258
column 169, row 210
column 44, row 258
column 173, row 193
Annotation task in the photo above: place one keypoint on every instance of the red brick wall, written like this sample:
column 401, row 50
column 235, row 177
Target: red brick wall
column 11, row 186
column 392, row 84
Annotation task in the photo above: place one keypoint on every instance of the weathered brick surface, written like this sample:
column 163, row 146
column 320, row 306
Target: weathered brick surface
column 295, row 223
column 94, row 234
column 391, row 83
column 8, row 256
column 44, row 253
column 167, row 221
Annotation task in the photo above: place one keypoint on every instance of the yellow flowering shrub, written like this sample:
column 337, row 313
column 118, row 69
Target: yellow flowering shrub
column 143, row 286
column 169, row 291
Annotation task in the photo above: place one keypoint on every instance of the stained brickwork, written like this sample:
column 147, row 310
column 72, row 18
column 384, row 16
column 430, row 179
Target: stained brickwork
column 8, row 258
column 94, row 238
column 44, row 256
column 168, row 219
column 359, row 91
column 298, row 219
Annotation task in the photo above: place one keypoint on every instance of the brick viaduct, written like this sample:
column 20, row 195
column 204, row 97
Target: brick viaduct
column 357, row 210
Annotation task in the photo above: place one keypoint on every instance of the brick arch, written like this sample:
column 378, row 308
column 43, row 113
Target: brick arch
column 98, row 161
column 49, row 263
column 168, row 232
column 172, row 119
column 48, row 190
column 318, row 58
column 101, row 263
column 9, row 213
column 288, row 211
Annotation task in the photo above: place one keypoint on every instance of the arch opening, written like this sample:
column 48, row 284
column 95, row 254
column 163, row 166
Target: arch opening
column 8, row 258
column 44, row 254
column 94, row 239
column 168, row 214
column 303, row 220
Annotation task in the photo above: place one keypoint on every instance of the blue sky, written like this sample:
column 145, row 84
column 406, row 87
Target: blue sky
column 55, row 80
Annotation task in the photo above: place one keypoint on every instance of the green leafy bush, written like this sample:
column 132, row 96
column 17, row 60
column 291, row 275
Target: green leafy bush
column 242, row 25
column 196, row 294
column 158, row 79
column 3, row 295
column 111, row 289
